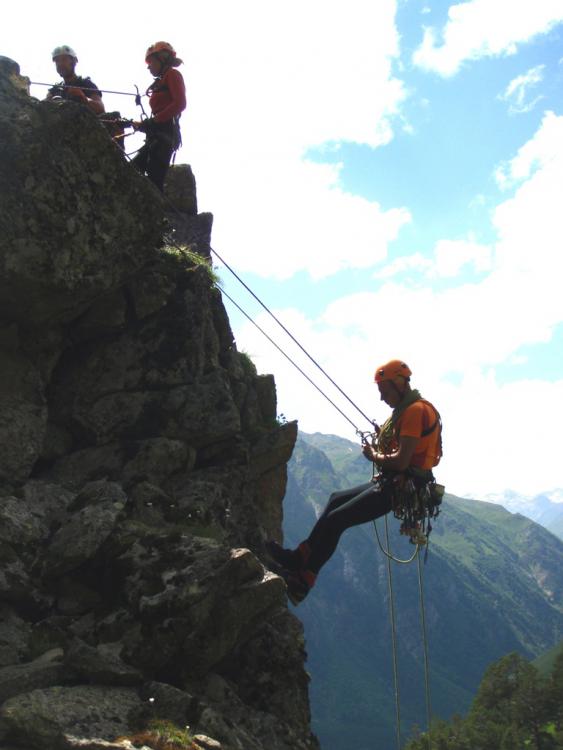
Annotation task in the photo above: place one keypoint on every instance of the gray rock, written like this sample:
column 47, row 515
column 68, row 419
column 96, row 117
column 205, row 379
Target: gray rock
column 158, row 459
column 79, row 539
column 74, row 598
column 23, row 414
column 167, row 702
column 19, row 526
column 83, row 743
column 43, row 672
column 101, row 665
column 89, row 464
column 247, row 595
column 101, row 492
column 193, row 232
column 150, row 503
column 15, row 636
column 68, row 234
column 11, row 78
column 48, row 501
column 15, row 583
column 150, row 291
column 106, row 315
column 43, row 719
column 206, row 743
column 48, row 634
column 118, row 368
column 180, row 189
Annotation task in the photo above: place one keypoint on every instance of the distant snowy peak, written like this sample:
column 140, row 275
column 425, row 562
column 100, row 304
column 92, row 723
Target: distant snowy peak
column 545, row 508
column 511, row 497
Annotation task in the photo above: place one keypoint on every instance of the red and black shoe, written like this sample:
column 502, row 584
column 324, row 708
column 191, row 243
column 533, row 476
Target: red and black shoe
column 290, row 559
column 298, row 583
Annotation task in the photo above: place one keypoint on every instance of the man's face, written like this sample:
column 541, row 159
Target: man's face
column 390, row 393
column 65, row 65
column 154, row 65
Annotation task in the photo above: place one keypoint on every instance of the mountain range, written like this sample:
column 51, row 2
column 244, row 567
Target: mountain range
column 545, row 508
column 492, row 584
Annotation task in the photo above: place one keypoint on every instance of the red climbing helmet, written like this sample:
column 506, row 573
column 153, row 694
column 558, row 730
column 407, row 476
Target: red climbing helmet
column 392, row 370
column 164, row 50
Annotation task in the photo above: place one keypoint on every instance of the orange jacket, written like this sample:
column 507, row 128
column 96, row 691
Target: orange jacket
column 418, row 418
column 168, row 96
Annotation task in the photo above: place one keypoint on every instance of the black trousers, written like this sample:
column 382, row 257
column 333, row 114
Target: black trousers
column 346, row 509
column 154, row 157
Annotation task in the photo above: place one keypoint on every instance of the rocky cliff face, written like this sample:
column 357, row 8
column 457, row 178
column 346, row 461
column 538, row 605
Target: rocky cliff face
column 141, row 462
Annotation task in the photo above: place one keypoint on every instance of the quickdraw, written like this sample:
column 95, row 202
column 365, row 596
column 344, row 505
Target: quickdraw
column 416, row 503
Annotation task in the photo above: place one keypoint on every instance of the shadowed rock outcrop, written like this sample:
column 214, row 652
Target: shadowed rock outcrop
column 142, row 465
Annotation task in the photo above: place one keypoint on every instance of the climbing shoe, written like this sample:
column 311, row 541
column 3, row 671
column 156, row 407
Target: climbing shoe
column 297, row 588
column 298, row 583
column 290, row 559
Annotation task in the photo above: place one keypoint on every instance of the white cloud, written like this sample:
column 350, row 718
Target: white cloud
column 539, row 152
column 450, row 257
column 516, row 93
column 315, row 76
column 484, row 28
column 415, row 262
column 468, row 331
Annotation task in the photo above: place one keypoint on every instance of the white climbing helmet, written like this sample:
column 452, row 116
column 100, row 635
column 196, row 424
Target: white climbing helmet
column 64, row 49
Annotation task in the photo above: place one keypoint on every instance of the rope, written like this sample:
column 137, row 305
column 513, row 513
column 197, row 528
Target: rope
column 338, row 409
column 393, row 640
column 68, row 86
column 291, row 336
column 388, row 554
column 426, row 660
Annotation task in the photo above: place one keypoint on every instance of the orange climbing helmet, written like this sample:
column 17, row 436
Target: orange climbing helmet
column 392, row 370
column 166, row 50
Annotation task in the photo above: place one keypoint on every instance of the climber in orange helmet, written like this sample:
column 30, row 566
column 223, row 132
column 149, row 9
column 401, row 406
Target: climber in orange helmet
column 167, row 100
column 409, row 444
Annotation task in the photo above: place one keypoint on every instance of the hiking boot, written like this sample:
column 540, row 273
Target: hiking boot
column 297, row 589
column 298, row 584
column 290, row 559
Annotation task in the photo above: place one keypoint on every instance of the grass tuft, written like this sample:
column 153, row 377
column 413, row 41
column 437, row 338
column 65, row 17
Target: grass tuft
column 163, row 735
column 191, row 260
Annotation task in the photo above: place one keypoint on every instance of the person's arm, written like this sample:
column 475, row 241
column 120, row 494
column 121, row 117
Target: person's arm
column 400, row 459
column 96, row 104
column 94, row 101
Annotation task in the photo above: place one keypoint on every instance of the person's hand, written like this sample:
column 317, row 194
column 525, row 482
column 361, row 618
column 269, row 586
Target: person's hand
column 77, row 93
column 369, row 452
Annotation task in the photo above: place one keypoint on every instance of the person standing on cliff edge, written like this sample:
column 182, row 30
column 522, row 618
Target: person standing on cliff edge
column 73, row 87
column 167, row 99
column 408, row 446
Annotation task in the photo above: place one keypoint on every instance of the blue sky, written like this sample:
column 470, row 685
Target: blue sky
column 389, row 178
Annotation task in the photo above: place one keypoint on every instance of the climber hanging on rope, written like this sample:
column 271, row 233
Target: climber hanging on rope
column 73, row 87
column 407, row 447
column 167, row 99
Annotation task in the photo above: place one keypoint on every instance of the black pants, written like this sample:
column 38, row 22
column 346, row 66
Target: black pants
column 345, row 509
column 154, row 157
